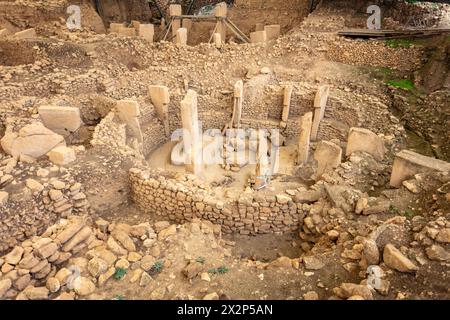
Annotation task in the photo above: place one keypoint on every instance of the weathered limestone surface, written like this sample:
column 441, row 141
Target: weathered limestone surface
column 217, row 40
column 160, row 98
column 181, row 38
column 360, row 139
column 408, row 163
column 328, row 156
column 62, row 120
column 221, row 11
column 115, row 27
column 129, row 111
column 238, row 101
column 146, row 31
column 258, row 36
column 286, row 105
column 320, row 103
column 175, row 10
column 304, row 139
column 191, row 138
column 62, row 155
column 31, row 142
column 272, row 31
column 25, row 34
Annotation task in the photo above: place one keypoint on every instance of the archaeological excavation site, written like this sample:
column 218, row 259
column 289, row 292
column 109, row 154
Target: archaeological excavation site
column 224, row 150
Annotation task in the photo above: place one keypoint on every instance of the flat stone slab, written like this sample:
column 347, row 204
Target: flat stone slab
column 62, row 120
column 408, row 163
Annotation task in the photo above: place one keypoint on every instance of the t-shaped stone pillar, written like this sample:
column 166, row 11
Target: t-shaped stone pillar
column 320, row 102
column 191, row 134
column 237, row 109
column 181, row 39
column 175, row 11
column 286, row 106
column 221, row 12
column 129, row 111
column 304, row 139
column 161, row 99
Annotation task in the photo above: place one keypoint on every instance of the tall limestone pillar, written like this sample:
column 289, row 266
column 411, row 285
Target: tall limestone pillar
column 237, row 108
column 221, row 12
column 191, row 136
column 161, row 99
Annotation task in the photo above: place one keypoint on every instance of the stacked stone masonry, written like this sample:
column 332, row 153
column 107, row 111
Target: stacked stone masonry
column 183, row 199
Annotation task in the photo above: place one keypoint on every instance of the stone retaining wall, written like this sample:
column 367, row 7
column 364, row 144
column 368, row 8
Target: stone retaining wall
column 184, row 198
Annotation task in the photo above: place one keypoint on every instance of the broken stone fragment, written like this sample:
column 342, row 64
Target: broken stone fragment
column 14, row 256
column 347, row 290
column 3, row 198
column 5, row 285
column 165, row 233
column 312, row 263
column 437, row 253
column 83, row 286
column 36, row 293
column 81, row 236
column 124, row 239
column 32, row 141
column 62, row 155
column 192, row 270
column 394, row 259
column 70, row 231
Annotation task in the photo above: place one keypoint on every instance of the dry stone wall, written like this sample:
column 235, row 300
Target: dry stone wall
column 183, row 198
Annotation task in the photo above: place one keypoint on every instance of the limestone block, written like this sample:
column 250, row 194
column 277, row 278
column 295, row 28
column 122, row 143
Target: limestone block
column 115, row 27
column 304, row 139
column 3, row 198
column 218, row 40
column 221, row 10
column 360, row 139
column 32, row 141
column 259, row 27
column 62, row 120
column 175, row 10
column 160, row 98
column 127, row 32
column 258, row 36
column 129, row 111
column 272, row 31
column 286, row 103
column 320, row 103
column 62, row 155
column 25, row 34
column 189, row 117
column 181, row 37
column 147, row 31
column 328, row 156
column 408, row 163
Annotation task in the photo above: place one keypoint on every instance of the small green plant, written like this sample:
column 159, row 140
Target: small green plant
column 120, row 273
column 393, row 209
column 396, row 43
column 408, row 213
column 212, row 271
column 406, row 84
column 119, row 297
column 222, row 270
column 219, row 270
column 157, row 266
column 200, row 260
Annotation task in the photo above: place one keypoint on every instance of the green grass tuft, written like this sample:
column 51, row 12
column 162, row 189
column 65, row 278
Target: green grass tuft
column 399, row 43
column 120, row 273
column 405, row 84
